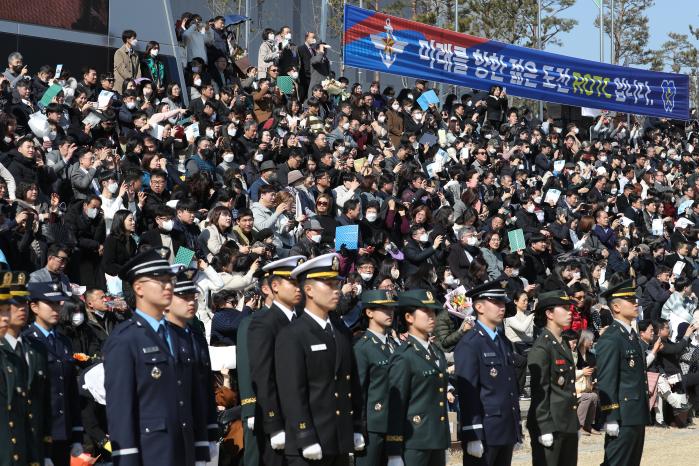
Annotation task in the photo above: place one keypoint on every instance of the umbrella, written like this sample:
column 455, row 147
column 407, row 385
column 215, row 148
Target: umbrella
column 232, row 20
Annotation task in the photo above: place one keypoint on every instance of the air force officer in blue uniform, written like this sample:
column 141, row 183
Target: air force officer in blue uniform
column 487, row 382
column 150, row 376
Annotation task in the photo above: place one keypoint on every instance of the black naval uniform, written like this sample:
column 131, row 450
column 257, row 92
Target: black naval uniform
column 418, row 422
column 372, row 356
column 321, row 398
column 553, row 408
column 251, row 456
column 269, row 419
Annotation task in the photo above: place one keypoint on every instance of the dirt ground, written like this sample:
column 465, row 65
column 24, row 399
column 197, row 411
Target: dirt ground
column 679, row 445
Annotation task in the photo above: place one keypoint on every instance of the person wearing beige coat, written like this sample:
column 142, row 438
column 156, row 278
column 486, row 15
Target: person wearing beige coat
column 126, row 62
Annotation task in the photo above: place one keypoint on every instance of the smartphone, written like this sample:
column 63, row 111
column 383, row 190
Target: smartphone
column 59, row 70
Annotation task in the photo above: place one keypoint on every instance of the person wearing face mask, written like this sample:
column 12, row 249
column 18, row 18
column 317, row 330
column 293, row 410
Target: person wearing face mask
column 394, row 122
column 163, row 235
column 86, row 221
column 154, row 67
column 527, row 220
column 126, row 61
column 563, row 277
column 111, row 197
column 72, row 325
column 203, row 161
column 309, row 243
column 268, row 54
column 419, row 250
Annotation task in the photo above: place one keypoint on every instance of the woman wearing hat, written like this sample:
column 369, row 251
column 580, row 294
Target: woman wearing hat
column 552, row 420
column 418, row 431
column 372, row 352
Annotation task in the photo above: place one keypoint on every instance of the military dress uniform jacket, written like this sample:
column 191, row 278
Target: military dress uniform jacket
column 38, row 398
column 200, row 349
column 554, row 402
column 321, row 399
column 417, row 399
column 262, row 333
column 488, row 391
column 245, row 391
column 64, row 412
column 621, row 377
column 152, row 397
column 15, row 429
column 372, row 358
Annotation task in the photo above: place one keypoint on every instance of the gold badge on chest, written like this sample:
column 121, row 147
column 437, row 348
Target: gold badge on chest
column 156, row 373
column 493, row 372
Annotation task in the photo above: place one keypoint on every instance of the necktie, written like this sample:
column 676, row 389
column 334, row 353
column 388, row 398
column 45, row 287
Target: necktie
column 52, row 341
column 162, row 333
column 329, row 330
column 19, row 350
column 432, row 354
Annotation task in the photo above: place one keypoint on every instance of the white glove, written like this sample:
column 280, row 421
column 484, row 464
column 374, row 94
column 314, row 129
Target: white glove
column 48, row 462
column 612, row 429
column 76, row 449
column 475, row 448
column 213, row 450
column 395, row 461
column 358, row 442
column 278, row 440
column 313, row 452
column 546, row 440
column 251, row 423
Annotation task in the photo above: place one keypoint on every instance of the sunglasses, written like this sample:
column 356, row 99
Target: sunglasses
column 321, row 203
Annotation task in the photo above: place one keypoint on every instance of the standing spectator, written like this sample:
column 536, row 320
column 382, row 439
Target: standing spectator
column 154, row 68
column 126, row 63
column 268, row 54
column 195, row 39
column 119, row 245
column 87, row 223
column 16, row 69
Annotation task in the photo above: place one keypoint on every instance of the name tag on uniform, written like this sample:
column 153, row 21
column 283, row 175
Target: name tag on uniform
column 151, row 349
column 489, row 355
column 321, row 347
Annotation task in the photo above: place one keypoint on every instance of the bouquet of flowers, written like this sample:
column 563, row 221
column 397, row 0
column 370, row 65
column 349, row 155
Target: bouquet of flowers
column 458, row 304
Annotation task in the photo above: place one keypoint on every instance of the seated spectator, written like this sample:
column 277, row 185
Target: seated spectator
column 226, row 320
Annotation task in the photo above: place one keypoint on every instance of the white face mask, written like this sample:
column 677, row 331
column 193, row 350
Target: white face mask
column 515, row 272
column 315, row 238
column 395, row 274
column 258, row 157
column 576, row 275
column 209, row 132
column 382, row 118
column 614, row 191
column 366, row 276
column 154, row 52
column 294, row 75
column 232, row 130
column 371, row 216
column 472, row 241
column 91, row 213
column 451, row 282
column 270, row 37
column 424, row 238
column 287, row 36
column 113, row 187
column 312, row 41
column 395, row 106
column 530, row 209
column 130, row 105
column 197, row 83
column 537, row 199
column 167, row 225
column 228, row 158
column 417, row 116
column 134, row 42
column 345, row 126
column 359, row 289
column 77, row 319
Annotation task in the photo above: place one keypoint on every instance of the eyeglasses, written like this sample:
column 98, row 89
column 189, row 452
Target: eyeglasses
column 322, row 203
column 273, row 69
column 61, row 258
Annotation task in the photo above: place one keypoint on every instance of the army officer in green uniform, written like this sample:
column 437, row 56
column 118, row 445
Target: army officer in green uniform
column 418, row 430
column 553, row 421
column 372, row 352
column 621, row 380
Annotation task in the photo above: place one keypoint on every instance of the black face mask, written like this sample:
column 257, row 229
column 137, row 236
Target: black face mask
column 206, row 154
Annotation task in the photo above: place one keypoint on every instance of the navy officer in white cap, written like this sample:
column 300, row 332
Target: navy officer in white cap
column 487, row 382
column 321, row 398
column 268, row 422
column 152, row 412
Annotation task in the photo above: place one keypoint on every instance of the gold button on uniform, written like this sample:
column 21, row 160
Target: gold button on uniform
column 337, row 412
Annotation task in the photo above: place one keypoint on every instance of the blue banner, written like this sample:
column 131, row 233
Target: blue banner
column 390, row 44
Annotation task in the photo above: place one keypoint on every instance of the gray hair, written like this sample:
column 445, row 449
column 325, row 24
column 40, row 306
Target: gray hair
column 466, row 230
column 585, row 336
column 14, row 56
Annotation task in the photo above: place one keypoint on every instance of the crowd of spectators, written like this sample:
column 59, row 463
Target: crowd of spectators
column 241, row 169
